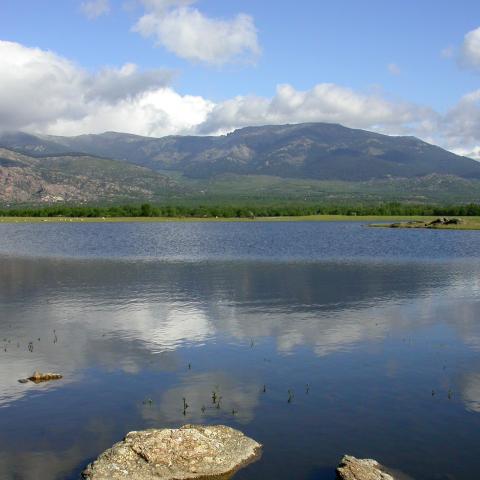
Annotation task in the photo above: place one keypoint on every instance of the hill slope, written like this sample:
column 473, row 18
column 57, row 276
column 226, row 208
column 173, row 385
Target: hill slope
column 306, row 162
column 315, row 151
column 76, row 178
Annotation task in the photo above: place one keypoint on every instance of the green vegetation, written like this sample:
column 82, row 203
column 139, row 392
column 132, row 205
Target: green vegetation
column 264, row 189
column 147, row 210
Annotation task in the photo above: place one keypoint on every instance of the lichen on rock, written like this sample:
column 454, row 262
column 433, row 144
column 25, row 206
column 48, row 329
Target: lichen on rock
column 352, row 468
column 39, row 377
column 190, row 452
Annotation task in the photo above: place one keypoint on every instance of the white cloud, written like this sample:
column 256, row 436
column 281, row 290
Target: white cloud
column 189, row 34
column 472, row 152
column 124, row 83
column 43, row 92
column 95, row 8
column 470, row 52
column 393, row 69
column 326, row 102
column 159, row 113
column 461, row 125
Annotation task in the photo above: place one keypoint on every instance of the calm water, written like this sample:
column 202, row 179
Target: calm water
column 375, row 332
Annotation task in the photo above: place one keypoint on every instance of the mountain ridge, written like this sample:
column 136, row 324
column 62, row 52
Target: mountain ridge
column 314, row 154
column 310, row 150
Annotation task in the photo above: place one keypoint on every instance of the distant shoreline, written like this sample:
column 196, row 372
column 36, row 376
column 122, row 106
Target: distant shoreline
column 468, row 221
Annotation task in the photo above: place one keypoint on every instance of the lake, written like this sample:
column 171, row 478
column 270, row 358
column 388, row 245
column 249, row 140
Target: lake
column 320, row 339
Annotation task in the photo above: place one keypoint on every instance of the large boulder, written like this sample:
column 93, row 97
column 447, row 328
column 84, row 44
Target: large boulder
column 192, row 451
column 352, row 468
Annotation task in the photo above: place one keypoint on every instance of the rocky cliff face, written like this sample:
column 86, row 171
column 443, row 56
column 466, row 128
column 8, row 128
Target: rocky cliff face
column 76, row 179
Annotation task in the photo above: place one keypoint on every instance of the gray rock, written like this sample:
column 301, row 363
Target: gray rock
column 454, row 221
column 192, row 451
column 352, row 468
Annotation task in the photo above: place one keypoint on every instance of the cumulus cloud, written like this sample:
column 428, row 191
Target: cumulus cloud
column 472, row 152
column 189, row 34
column 95, row 8
column 470, row 52
column 159, row 113
column 460, row 126
column 44, row 92
column 325, row 102
column 127, row 82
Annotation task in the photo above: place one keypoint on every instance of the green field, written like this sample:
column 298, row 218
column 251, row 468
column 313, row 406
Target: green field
column 469, row 221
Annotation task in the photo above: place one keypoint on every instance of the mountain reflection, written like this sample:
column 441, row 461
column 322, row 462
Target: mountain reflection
column 133, row 339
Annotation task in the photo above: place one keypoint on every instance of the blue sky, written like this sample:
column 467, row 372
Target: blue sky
column 408, row 61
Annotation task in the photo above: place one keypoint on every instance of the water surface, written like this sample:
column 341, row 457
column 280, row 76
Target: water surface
column 374, row 332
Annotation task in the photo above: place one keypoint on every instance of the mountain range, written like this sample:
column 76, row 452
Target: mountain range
column 313, row 161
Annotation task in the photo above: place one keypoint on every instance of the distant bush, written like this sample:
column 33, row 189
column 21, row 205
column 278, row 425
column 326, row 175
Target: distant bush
column 240, row 211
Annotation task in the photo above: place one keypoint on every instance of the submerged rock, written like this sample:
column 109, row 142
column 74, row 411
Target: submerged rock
column 39, row 377
column 352, row 468
column 190, row 452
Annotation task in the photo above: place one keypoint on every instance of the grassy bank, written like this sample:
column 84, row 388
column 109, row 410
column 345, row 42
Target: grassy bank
column 301, row 218
column 467, row 223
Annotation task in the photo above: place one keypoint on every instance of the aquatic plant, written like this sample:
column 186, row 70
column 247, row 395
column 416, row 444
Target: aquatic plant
column 290, row 396
column 185, row 406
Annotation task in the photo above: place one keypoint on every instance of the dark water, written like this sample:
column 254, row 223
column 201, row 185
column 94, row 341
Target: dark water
column 382, row 325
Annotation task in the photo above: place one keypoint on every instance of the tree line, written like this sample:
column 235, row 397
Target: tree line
column 239, row 211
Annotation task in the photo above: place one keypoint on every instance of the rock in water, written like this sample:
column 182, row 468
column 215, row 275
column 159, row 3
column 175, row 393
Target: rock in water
column 192, row 451
column 352, row 468
column 38, row 377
